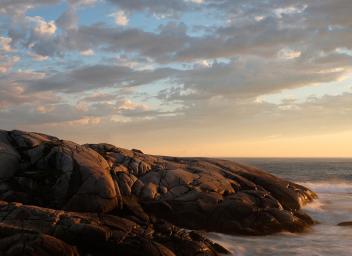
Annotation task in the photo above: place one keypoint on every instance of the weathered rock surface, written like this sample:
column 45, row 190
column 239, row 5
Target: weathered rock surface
column 194, row 193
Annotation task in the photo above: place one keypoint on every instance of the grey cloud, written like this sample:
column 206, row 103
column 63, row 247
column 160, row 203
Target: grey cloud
column 335, row 13
column 18, row 7
column 166, row 8
column 68, row 20
column 12, row 93
column 97, row 76
column 160, row 46
column 256, row 76
column 100, row 97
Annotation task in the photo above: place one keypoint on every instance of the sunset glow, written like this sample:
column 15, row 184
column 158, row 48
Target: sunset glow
column 205, row 78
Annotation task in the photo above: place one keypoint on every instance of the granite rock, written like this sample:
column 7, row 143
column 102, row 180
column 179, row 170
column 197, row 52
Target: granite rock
column 138, row 192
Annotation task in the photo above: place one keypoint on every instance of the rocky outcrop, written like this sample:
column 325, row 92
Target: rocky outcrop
column 193, row 193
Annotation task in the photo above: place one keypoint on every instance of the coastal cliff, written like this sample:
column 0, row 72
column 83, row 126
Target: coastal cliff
column 62, row 198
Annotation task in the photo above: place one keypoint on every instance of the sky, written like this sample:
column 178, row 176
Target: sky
column 244, row 78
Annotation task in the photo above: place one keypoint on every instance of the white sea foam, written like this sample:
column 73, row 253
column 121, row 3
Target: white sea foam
column 335, row 187
column 316, row 205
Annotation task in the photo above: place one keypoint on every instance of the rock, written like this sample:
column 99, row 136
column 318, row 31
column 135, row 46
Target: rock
column 32, row 230
column 15, row 241
column 345, row 223
column 193, row 193
column 9, row 157
column 137, row 150
column 63, row 174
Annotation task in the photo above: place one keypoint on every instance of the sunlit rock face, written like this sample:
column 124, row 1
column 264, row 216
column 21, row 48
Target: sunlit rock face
column 193, row 193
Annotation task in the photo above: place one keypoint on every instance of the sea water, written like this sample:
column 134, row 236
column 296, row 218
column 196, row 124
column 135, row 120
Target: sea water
column 331, row 179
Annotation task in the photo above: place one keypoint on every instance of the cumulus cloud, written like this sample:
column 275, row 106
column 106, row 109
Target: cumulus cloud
column 5, row 44
column 42, row 27
column 120, row 18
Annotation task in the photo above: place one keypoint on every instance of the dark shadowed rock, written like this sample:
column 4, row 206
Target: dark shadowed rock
column 346, row 223
column 9, row 158
column 143, row 190
column 42, row 231
column 16, row 241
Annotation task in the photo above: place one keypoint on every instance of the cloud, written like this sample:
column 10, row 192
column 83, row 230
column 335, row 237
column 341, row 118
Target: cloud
column 88, row 52
column 6, row 63
column 19, row 7
column 83, row 2
column 37, row 57
column 97, row 76
column 128, row 105
column 197, row 1
column 68, row 20
column 166, row 8
column 250, row 77
column 286, row 53
column 201, row 64
column 5, row 44
column 120, row 18
column 294, row 29
column 42, row 27
column 99, row 97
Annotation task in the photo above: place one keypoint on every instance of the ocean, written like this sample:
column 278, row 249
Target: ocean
column 331, row 179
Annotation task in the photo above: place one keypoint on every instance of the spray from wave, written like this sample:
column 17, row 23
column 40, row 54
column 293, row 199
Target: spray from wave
column 335, row 186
